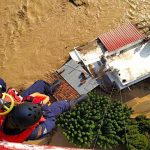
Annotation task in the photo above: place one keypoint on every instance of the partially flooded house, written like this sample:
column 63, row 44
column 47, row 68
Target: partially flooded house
column 119, row 58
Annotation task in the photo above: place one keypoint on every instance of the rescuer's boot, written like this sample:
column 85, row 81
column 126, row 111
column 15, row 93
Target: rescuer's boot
column 74, row 102
column 55, row 85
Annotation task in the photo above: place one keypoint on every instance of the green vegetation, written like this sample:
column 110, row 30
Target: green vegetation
column 97, row 121
column 143, row 124
column 103, row 123
column 134, row 139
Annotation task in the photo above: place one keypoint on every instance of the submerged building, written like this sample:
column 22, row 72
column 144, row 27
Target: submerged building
column 117, row 58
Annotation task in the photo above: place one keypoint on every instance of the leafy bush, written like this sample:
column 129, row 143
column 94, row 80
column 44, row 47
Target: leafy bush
column 96, row 121
column 134, row 140
column 143, row 124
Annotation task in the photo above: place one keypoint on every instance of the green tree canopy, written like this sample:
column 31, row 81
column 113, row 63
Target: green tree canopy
column 97, row 121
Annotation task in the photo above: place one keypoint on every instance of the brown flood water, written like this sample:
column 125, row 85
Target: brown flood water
column 36, row 35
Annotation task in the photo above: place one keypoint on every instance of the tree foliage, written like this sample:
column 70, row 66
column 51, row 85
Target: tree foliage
column 96, row 121
column 143, row 124
column 134, row 140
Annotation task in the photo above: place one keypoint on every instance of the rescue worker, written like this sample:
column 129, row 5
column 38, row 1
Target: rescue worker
column 29, row 121
column 40, row 90
column 2, row 86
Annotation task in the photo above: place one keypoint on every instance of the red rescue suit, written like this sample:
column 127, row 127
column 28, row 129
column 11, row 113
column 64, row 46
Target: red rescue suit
column 21, row 137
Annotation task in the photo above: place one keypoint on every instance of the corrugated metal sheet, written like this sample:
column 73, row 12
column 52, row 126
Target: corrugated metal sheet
column 72, row 74
column 120, row 37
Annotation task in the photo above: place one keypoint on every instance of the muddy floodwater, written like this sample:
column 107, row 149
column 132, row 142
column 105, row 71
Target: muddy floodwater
column 36, row 36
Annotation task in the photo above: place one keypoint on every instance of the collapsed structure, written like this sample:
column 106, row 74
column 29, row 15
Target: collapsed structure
column 117, row 58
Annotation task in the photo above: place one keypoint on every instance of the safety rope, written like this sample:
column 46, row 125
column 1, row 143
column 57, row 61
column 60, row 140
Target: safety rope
column 121, row 100
column 105, row 111
column 126, row 137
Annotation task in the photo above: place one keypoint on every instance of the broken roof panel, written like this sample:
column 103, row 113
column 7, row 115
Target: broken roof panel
column 120, row 37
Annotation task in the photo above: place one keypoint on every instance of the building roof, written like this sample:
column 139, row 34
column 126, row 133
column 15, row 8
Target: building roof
column 132, row 65
column 120, row 37
column 73, row 75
